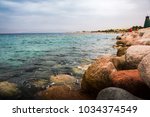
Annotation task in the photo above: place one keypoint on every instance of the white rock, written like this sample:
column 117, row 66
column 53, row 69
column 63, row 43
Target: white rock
column 144, row 68
column 135, row 54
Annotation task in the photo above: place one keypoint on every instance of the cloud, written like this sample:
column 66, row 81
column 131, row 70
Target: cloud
column 78, row 7
column 68, row 15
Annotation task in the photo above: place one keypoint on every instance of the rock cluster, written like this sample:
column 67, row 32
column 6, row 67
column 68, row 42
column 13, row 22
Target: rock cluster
column 64, row 87
column 125, row 76
column 128, row 70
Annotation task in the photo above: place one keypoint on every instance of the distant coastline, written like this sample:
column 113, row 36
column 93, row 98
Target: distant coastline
column 123, row 30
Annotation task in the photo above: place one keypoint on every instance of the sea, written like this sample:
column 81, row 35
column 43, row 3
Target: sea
column 34, row 56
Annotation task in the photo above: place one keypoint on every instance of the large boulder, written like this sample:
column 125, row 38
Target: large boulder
column 145, row 32
column 144, row 41
column 144, row 68
column 135, row 54
column 9, row 90
column 130, row 38
column 113, row 93
column 131, row 81
column 97, row 76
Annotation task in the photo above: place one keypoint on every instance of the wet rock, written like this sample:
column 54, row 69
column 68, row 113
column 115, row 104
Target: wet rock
column 113, row 93
column 30, row 69
column 118, row 37
column 42, row 73
column 119, row 62
column 97, row 76
column 9, row 75
column 80, row 69
column 40, row 83
column 63, row 79
column 77, row 71
column 9, row 90
column 32, row 86
column 131, row 81
column 120, row 43
column 144, row 68
column 62, row 92
column 135, row 54
column 121, row 51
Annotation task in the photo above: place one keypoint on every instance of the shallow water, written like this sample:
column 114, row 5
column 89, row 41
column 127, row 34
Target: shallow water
column 37, row 56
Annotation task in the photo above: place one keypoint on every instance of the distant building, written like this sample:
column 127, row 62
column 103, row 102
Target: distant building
column 147, row 22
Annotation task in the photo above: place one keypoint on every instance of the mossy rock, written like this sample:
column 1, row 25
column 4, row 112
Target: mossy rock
column 121, row 51
column 9, row 90
column 120, row 43
column 67, row 80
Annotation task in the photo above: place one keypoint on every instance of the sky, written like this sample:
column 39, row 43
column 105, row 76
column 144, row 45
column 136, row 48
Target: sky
column 23, row 16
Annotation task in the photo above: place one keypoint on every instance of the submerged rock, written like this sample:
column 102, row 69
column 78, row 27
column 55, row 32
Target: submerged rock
column 144, row 68
column 97, row 76
column 131, row 81
column 135, row 54
column 62, row 92
column 67, row 80
column 77, row 71
column 113, row 93
column 9, row 90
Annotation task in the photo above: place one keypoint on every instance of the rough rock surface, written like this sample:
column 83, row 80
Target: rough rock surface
column 144, row 41
column 63, row 79
column 9, row 90
column 62, row 92
column 144, row 68
column 113, row 93
column 121, row 51
column 135, row 54
column 119, row 62
column 97, row 76
column 131, row 81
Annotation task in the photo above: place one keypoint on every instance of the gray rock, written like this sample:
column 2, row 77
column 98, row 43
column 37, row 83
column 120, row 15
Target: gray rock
column 118, row 37
column 113, row 93
column 135, row 54
column 144, row 68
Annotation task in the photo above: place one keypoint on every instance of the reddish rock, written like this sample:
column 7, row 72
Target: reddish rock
column 131, row 81
column 97, row 75
column 62, row 92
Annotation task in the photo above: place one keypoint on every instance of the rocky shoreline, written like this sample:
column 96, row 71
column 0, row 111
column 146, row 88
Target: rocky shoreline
column 128, row 70
column 124, row 76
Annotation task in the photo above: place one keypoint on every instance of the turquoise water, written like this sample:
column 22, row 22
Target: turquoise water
column 37, row 56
